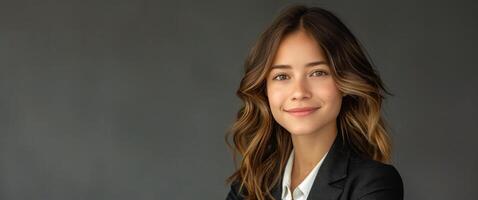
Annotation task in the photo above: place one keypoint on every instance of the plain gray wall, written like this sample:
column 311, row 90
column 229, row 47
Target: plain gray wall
column 131, row 99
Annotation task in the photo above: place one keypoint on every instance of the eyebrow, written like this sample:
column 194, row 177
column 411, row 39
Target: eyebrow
column 311, row 64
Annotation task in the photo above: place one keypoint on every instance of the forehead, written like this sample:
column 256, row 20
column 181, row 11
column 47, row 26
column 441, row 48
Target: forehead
column 298, row 48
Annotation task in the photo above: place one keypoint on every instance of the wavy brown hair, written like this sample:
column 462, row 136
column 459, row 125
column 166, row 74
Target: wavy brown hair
column 263, row 144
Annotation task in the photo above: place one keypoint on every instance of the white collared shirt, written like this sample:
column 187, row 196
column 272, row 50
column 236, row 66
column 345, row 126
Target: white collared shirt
column 301, row 192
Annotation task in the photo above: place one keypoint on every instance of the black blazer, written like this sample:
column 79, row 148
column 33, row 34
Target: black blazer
column 344, row 175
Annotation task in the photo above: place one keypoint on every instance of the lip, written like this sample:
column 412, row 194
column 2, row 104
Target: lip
column 303, row 111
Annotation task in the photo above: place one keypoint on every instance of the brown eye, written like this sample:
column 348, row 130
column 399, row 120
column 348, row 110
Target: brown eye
column 319, row 73
column 280, row 77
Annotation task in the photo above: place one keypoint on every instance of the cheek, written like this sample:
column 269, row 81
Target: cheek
column 276, row 97
column 329, row 92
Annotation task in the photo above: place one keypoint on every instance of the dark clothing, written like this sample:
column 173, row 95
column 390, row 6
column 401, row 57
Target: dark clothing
column 344, row 175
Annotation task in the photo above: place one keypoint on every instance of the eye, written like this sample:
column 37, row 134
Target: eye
column 319, row 73
column 280, row 77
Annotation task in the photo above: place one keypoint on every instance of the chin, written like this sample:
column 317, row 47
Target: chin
column 300, row 131
column 299, row 134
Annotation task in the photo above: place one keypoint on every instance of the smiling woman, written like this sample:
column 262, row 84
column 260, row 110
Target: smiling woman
column 311, row 126
column 306, row 89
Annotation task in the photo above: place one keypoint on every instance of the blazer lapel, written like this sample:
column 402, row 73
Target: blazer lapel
column 327, row 184
column 277, row 191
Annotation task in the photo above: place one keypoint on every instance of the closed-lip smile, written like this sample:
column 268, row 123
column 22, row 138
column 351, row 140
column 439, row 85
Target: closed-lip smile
column 301, row 111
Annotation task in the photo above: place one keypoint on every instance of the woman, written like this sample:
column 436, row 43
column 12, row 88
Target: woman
column 311, row 127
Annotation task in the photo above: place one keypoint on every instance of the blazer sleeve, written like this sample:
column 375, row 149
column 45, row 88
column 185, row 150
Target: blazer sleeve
column 381, row 183
column 234, row 193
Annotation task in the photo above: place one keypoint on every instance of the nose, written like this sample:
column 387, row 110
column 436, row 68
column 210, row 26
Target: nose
column 301, row 90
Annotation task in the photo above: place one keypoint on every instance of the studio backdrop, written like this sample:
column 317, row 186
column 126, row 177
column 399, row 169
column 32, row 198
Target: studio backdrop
column 117, row 100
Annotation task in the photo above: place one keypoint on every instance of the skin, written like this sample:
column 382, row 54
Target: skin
column 292, row 84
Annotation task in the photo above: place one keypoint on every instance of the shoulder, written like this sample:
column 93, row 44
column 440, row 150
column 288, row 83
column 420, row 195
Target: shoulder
column 234, row 191
column 371, row 179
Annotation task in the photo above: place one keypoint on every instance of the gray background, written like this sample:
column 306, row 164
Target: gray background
column 131, row 99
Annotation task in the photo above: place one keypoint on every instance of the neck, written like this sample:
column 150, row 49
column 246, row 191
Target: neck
column 309, row 149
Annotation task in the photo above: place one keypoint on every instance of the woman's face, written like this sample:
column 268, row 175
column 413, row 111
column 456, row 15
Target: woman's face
column 302, row 93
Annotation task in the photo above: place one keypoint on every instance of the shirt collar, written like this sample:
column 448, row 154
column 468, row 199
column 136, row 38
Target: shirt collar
column 306, row 184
